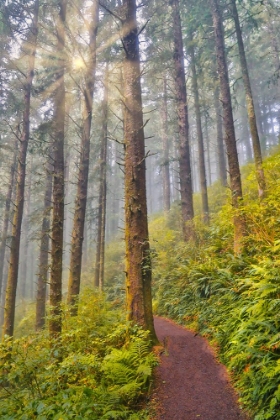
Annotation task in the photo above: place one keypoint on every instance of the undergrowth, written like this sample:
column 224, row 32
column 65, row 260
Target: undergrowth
column 100, row 369
column 102, row 366
column 234, row 301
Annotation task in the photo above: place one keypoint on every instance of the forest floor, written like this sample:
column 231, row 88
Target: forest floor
column 190, row 383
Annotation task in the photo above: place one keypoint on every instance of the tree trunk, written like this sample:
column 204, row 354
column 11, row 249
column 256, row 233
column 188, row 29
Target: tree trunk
column 67, row 227
column 85, row 244
column 265, row 122
column 201, row 157
column 220, row 141
column 208, row 144
column 5, row 276
column 12, row 281
column 31, row 272
column 183, row 125
column 175, row 172
column 138, row 258
column 274, row 39
column 250, row 104
column 81, row 198
column 234, row 170
column 7, row 217
column 55, row 324
column 25, row 240
column 165, row 147
column 246, row 137
column 101, row 224
column 271, row 122
column 44, row 254
column 260, row 124
column 115, row 182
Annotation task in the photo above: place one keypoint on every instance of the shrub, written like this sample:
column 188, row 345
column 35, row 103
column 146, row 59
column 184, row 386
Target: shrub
column 99, row 369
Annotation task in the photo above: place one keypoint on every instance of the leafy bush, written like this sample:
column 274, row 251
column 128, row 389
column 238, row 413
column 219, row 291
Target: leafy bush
column 99, row 369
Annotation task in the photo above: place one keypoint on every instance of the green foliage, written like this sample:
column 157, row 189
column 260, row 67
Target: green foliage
column 99, row 369
column 234, row 301
column 114, row 272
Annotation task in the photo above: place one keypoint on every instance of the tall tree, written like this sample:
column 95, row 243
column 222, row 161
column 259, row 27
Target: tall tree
column 271, row 13
column 30, row 50
column 183, row 125
column 58, row 128
column 250, row 103
column 165, row 147
column 101, row 223
column 7, row 216
column 246, row 137
column 138, row 258
column 230, row 140
column 208, row 150
column 200, row 141
column 81, row 197
column 44, row 253
column 220, row 140
column 25, row 238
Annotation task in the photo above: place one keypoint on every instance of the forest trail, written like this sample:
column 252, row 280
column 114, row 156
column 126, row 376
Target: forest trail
column 190, row 383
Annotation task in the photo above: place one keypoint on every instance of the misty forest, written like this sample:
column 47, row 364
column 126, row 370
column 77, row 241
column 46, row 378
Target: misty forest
column 140, row 180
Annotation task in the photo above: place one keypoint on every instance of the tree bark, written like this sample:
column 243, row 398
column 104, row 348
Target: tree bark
column 114, row 206
column 165, row 147
column 175, row 172
column 234, row 170
column 274, row 39
column 250, row 104
column 7, row 217
column 25, row 240
column 201, row 157
column 183, row 125
column 260, row 124
column 81, row 198
column 55, row 323
column 208, row 145
column 12, row 281
column 138, row 258
column 101, row 224
column 220, row 140
column 44, row 254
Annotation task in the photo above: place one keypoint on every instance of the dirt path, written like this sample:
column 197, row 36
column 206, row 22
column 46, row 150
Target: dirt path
column 190, row 383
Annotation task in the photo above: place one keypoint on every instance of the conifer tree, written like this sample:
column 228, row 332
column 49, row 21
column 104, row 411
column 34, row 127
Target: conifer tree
column 199, row 133
column 44, row 252
column 250, row 104
column 10, row 299
column 185, row 174
column 230, row 140
column 55, row 323
column 7, row 216
column 165, row 147
column 138, row 258
column 101, row 221
column 220, row 140
column 81, row 197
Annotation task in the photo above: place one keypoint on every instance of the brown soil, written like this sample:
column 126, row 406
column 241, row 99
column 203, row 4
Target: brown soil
column 189, row 382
